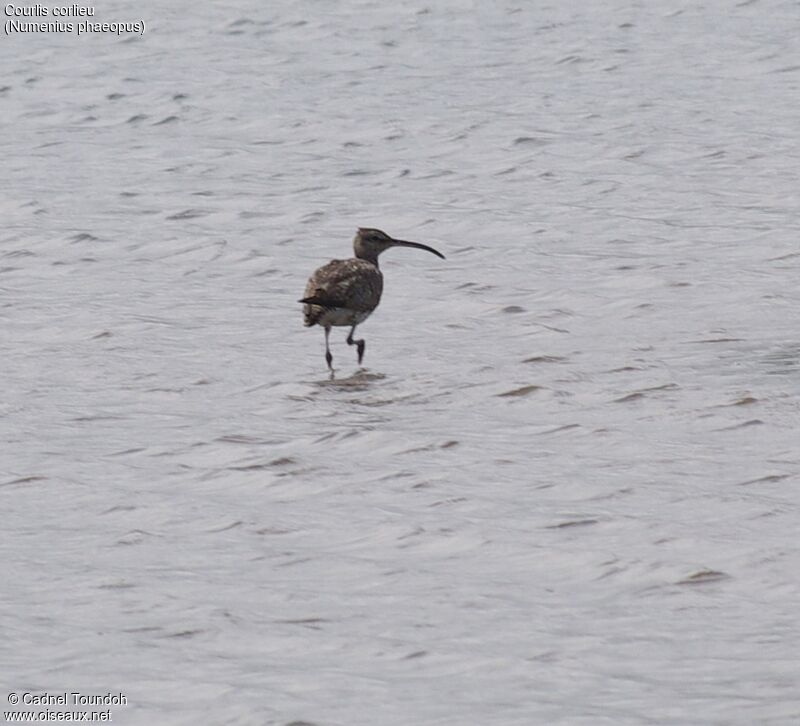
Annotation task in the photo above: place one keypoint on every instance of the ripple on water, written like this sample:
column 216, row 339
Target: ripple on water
column 645, row 392
column 784, row 360
column 520, row 392
column 545, row 359
column 704, row 577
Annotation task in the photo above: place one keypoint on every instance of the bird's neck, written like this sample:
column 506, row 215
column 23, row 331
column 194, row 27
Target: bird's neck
column 367, row 257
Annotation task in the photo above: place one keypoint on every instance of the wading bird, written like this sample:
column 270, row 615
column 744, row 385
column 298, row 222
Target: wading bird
column 345, row 292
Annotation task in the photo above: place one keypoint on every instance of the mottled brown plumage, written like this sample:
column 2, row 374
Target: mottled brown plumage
column 351, row 290
column 345, row 292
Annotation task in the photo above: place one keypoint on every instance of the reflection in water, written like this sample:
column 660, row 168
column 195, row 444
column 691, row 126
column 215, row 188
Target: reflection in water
column 361, row 380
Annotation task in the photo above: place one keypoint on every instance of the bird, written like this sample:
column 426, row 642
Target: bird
column 346, row 292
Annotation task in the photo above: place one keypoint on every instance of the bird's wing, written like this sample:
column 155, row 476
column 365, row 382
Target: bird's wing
column 353, row 284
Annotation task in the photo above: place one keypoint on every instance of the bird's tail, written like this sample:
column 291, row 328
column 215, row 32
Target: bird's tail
column 317, row 304
column 324, row 299
column 314, row 300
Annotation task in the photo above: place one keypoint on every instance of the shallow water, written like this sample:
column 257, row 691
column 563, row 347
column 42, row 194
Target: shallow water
column 562, row 489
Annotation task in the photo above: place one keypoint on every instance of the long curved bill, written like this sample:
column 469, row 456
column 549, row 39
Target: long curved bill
column 417, row 245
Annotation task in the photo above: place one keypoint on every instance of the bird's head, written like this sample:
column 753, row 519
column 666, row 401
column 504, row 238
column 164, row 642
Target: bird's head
column 369, row 243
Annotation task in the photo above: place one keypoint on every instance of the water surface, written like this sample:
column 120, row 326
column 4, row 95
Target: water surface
column 564, row 488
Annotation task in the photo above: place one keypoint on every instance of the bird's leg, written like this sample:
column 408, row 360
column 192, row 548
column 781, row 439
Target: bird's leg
column 328, row 356
column 360, row 343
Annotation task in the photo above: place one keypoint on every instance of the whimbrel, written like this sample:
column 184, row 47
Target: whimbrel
column 345, row 292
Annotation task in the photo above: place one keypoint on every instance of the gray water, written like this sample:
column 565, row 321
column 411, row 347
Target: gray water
column 563, row 489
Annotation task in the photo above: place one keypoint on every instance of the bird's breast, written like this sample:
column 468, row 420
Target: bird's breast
column 342, row 316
